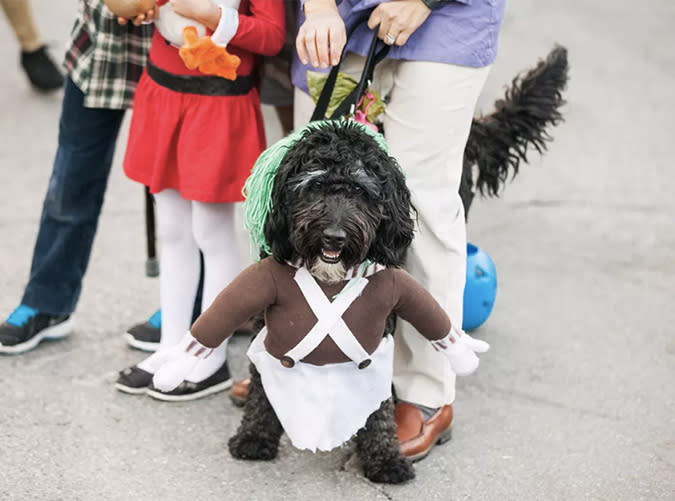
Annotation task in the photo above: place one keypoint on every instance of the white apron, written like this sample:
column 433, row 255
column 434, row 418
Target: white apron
column 323, row 406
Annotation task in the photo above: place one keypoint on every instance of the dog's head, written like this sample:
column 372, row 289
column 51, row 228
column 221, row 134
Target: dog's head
column 339, row 199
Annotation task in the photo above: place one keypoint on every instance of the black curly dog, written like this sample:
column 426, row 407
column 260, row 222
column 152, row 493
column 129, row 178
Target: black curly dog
column 337, row 190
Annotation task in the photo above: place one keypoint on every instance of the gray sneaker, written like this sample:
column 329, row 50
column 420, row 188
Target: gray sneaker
column 26, row 327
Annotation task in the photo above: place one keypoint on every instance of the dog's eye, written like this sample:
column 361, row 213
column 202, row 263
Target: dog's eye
column 316, row 184
column 357, row 189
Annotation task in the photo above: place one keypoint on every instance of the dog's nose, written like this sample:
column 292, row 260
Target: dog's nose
column 333, row 238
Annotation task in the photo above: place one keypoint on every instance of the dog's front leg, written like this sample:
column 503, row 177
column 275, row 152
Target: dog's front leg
column 378, row 450
column 260, row 430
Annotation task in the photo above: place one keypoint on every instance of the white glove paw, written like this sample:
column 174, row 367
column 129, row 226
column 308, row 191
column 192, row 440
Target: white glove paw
column 461, row 349
column 179, row 362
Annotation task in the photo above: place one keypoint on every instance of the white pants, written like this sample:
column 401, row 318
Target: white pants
column 426, row 124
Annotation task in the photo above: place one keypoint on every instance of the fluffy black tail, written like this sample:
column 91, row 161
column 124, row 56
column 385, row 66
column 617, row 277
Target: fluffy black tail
column 499, row 142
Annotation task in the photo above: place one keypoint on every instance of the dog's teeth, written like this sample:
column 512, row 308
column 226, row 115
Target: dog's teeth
column 330, row 254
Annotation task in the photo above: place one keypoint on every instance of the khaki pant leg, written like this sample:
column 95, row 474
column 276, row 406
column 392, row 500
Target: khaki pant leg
column 19, row 14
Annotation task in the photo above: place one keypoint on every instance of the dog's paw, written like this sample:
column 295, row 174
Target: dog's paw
column 248, row 447
column 396, row 471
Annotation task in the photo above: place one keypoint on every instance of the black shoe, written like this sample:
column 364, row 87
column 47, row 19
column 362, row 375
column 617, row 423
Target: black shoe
column 41, row 70
column 219, row 381
column 146, row 336
column 133, row 380
column 26, row 327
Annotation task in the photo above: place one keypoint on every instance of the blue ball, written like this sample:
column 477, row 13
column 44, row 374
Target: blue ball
column 480, row 290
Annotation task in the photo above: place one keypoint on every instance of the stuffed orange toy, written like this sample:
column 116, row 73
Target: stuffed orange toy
column 206, row 56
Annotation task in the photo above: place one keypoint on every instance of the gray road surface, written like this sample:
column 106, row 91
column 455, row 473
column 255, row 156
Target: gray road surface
column 576, row 398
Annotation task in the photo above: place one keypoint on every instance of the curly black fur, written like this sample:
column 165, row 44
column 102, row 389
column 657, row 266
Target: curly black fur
column 336, row 189
column 376, row 443
column 499, row 142
column 260, row 430
column 378, row 449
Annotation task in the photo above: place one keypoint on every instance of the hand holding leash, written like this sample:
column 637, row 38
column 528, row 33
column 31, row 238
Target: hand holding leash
column 322, row 36
column 461, row 349
column 395, row 21
column 178, row 363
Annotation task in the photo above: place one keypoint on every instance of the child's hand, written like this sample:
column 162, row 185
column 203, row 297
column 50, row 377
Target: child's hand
column 202, row 11
column 147, row 17
column 144, row 17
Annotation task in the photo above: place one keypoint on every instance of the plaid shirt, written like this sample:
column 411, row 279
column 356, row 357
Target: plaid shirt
column 104, row 59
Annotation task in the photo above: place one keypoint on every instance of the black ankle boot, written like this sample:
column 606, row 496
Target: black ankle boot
column 41, row 70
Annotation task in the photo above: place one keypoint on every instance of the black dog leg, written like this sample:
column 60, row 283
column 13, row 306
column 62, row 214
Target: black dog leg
column 260, row 430
column 378, row 450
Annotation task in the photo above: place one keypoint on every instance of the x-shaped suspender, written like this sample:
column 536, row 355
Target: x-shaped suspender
column 329, row 320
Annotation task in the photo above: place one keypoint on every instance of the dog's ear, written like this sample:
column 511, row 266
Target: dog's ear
column 277, row 227
column 395, row 233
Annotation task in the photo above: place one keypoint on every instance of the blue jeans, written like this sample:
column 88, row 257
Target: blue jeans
column 73, row 203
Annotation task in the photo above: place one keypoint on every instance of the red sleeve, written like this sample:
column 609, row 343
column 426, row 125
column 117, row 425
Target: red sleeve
column 263, row 29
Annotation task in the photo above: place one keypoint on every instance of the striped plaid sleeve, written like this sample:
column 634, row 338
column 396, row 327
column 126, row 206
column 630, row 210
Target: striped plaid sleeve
column 106, row 59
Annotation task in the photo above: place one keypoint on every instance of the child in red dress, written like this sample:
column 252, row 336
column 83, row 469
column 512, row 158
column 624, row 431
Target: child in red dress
column 193, row 141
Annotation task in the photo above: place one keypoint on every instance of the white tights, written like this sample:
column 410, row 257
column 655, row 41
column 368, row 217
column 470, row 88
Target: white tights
column 185, row 228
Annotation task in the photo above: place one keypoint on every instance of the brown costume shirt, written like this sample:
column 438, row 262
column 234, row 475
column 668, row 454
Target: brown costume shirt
column 269, row 286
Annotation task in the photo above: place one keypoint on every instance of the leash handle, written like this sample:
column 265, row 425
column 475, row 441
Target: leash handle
column 348, row 105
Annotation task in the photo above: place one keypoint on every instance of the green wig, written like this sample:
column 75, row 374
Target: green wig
column 258, row 187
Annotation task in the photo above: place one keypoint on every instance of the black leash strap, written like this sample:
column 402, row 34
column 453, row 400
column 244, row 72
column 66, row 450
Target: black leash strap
column 346, row 106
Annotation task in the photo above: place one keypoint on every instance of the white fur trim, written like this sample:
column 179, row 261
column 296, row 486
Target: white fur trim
column 171, row 25
column 227, row 26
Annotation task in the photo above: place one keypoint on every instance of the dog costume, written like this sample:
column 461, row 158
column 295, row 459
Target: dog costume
column 324, row 363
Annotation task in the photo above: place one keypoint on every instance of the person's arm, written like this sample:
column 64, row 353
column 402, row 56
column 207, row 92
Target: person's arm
column 263, row 31
column 398, row 20
column 249, row 293
column 142, row 16
column 416, row 305
column 322, row 36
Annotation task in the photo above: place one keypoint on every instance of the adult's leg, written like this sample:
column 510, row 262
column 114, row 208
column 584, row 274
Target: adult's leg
column 72, row 204
column 214, row 229
column 426, row 125
column 303, row 107
column 20, row 17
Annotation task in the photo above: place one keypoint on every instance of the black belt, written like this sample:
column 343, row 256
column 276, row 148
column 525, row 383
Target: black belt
column 205, row 86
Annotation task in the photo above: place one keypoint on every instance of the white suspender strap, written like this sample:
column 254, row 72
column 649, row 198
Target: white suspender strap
column 329, row 319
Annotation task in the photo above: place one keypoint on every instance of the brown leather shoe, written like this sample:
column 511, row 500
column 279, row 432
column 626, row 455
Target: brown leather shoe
column 416, row 435
column 239, row 392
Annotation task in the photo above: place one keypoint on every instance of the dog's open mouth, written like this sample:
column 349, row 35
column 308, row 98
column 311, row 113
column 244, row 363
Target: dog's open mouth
column 330, row 256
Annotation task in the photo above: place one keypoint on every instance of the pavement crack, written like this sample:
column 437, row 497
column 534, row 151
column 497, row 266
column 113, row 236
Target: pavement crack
column 545, row 401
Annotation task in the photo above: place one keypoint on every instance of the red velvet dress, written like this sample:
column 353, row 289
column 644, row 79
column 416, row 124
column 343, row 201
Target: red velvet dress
column 203, row 146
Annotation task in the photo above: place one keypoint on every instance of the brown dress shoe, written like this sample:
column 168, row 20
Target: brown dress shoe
column 416, row 435
column 239, row 392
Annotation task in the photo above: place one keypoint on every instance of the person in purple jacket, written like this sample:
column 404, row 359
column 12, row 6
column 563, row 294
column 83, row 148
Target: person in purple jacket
column 439, row 60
